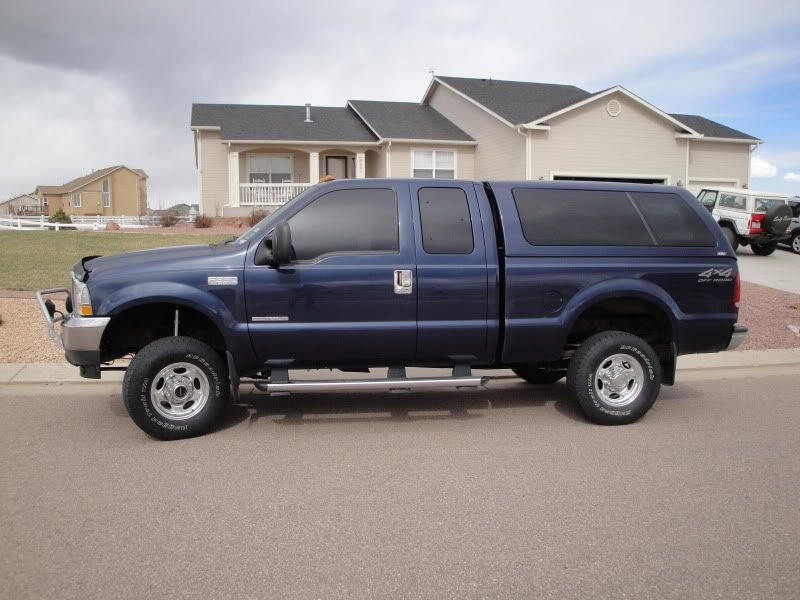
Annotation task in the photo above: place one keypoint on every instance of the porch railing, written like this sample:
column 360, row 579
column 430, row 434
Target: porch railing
column 269, row 194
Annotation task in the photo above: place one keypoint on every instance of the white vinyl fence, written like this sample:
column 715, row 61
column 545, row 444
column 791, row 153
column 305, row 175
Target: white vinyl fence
column 83, row 223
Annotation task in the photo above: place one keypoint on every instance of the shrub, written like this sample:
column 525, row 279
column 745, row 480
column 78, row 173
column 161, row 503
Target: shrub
column 60, row 217
column 203, row 221
column 168, row 219
column 256, row 216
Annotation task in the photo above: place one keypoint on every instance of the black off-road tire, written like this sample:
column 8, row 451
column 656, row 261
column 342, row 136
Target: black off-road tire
column 210, row 373
column 537, row 375
column 595, row 354
column 731, row 236
column 764, row 249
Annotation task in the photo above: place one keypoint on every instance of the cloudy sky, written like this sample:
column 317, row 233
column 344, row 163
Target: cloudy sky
column 88, row 83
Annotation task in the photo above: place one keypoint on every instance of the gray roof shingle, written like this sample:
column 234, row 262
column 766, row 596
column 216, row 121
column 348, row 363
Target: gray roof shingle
column 711, row 128
column 265, row 122
column 408, row 121
column 517, row 101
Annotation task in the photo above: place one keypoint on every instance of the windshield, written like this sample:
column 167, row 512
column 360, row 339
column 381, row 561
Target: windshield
column 270, row 221
column 762, row 205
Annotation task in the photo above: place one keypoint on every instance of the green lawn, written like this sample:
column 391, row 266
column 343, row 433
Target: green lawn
column 32, row 260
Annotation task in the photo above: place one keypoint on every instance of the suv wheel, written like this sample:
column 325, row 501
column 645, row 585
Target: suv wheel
column 615, row 377
column 537, row 375
column 175, row 388
column 731, row 236
column 764, row 249
column 795, row 244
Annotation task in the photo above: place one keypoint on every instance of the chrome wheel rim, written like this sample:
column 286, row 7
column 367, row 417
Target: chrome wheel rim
column 796, row 243
column 619, row 379
column 179, row 391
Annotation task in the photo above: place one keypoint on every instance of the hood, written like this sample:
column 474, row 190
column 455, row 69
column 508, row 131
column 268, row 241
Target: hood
column 171, row 258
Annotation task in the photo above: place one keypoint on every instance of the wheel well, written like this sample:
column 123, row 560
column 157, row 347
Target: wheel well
column 136, row 327
column 632, row 315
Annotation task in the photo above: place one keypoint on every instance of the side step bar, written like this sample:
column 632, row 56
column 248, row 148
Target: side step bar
column 373, row 384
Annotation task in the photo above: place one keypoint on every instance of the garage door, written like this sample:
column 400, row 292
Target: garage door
column 695, row 185
column 615, row 179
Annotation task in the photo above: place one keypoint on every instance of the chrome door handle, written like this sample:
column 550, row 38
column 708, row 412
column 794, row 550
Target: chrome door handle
column 402, row 281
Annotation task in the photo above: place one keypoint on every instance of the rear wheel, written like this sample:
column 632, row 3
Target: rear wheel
column 764, row 249
column 615, row 377
column 731, row 236
column 176, row 388
column 537, row 375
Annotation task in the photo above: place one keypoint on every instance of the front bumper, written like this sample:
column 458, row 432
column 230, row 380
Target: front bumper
column 738, row 335
column 80, row 336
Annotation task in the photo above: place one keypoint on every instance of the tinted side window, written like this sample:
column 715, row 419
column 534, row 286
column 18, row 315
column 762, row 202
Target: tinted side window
column 733, row 201
column 672, row 222
column 553, row 217
column 357, row 220
column 446, row 226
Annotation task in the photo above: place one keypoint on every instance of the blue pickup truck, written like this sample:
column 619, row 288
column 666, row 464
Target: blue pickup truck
column 601, row 284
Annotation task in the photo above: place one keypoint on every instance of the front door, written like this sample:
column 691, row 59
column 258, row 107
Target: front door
column 336, row 166
column 350, row 297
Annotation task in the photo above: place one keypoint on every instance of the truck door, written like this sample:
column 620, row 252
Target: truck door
column 350, row 297
column 452, row 274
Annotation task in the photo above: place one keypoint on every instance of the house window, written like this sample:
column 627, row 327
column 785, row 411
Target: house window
column 44, row 202
column 436, row 164
column 106, row 193
column 76, row 200
column 269, row 168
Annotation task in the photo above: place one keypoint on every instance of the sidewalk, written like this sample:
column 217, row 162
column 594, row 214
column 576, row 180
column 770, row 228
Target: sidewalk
column 747, row 359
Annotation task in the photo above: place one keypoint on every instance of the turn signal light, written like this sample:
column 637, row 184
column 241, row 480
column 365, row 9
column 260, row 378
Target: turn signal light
column 86, row 310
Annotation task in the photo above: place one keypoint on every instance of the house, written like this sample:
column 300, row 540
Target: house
column 260, row 155
column 116, row 190
column 24, row 204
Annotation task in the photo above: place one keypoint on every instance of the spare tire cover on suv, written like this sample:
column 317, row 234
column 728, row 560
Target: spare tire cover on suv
column 777, row 219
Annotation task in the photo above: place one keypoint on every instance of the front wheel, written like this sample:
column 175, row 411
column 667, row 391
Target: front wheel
column 175, row 388
column 615, row 377
column 764, row 249
column 796, row 243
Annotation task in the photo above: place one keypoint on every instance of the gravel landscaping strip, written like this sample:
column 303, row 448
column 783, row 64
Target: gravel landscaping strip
column 766, row 311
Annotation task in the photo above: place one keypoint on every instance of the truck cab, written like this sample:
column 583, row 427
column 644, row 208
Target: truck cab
column 604, row 284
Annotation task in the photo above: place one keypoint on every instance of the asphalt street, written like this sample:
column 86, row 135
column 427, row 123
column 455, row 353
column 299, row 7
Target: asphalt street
column 503, row 493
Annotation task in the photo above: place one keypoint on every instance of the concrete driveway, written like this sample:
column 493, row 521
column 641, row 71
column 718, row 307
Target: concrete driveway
column 780, row 270
column 505, row 493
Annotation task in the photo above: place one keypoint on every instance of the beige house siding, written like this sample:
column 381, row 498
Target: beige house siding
column 125, row 194
column 500, row 153
column 376, row 163
column 401, row 158
column 213, row 165
column 588, row 141
column 719, row 160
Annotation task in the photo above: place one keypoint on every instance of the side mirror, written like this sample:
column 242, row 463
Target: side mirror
column 276, row 249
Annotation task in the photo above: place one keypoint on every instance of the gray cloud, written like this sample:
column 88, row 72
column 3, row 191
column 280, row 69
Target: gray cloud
column 93, row 83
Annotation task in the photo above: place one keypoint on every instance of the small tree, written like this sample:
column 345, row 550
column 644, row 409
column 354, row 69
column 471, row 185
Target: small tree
column 60, row 217
column 168, row 219
column 256, row 217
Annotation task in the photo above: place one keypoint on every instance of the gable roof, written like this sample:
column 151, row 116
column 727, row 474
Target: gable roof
column 516, row 102
column 710, row 128
column 253, row 122
column 520, row 103
column 84, row 180
column 407, row 121
column 19, row 196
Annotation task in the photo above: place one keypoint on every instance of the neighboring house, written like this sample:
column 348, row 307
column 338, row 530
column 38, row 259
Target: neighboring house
column 179, row 210
column 259, row 155
column 116, row 190
column 24, row 204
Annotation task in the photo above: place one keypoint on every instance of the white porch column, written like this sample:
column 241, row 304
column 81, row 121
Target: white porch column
column 361, row 167
column 233, row 179
column 313, row 167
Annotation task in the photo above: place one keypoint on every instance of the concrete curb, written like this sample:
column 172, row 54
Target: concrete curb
column 747, row 359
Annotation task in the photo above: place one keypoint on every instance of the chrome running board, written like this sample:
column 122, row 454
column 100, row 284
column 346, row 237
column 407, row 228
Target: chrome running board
column 373, row 385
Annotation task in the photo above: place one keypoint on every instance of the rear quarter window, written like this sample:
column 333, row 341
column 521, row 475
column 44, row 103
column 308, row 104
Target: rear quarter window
column 672, row 221
column 553, row 217
column 762, row 205
column 734, row 201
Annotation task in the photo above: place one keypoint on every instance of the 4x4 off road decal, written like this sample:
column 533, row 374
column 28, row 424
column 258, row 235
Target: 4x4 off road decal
column 715, row 276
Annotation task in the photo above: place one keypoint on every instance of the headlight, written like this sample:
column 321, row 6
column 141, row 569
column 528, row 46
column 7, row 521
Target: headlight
column 81, row 301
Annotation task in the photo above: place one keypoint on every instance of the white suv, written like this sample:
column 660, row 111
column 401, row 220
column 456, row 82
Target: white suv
column 760, row 219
